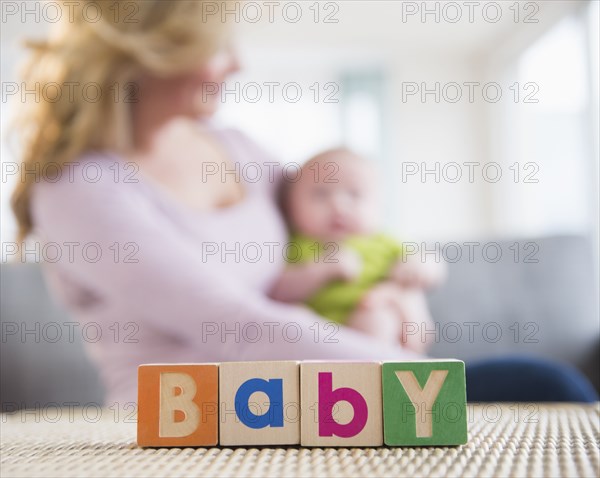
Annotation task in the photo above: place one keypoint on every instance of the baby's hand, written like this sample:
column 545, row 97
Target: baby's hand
column 348, row 265
column 417, row 274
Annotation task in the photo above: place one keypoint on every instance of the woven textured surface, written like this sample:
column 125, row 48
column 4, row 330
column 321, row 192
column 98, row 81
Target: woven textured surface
column 504, row 440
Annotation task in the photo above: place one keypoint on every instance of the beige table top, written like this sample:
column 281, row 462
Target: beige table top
column 504, row 440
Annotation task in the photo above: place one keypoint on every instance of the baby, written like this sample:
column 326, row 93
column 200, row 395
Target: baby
column 341, row 266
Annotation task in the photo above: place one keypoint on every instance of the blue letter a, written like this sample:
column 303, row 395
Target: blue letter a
column 273, row 417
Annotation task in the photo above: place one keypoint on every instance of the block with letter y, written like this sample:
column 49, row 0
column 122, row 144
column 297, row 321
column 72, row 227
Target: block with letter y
column 424, row 403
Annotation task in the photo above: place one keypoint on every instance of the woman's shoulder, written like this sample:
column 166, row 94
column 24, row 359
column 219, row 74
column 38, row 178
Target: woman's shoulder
column 258, row 165
column 93, row 177
column 222, row 129
column 100, row 168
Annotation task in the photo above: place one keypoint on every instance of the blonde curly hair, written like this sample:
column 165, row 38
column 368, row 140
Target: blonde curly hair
column 108, row 48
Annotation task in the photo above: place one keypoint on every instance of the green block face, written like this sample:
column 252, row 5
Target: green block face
column 424, row 403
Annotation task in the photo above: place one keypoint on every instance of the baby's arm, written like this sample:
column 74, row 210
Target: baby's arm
column 298, row 282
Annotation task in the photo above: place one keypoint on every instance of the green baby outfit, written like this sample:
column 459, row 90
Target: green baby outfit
column 338, row 299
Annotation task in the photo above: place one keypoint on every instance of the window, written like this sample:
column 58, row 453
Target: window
column 548, row 137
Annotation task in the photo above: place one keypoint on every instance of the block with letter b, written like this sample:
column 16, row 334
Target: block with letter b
column 341, row 404
column 424, row 403
column 178, row 405
column 259, row 403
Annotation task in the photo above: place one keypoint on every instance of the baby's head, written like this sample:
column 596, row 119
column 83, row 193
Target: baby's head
column 335, row 197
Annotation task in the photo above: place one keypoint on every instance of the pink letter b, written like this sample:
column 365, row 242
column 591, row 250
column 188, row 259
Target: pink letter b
column 327, row 398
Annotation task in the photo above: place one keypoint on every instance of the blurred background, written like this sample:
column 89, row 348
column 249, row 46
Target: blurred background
column 482, row 118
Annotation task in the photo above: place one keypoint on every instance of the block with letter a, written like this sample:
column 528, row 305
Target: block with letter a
column 259, row 403
column 178, row 405
column 424, row 403
column 341, row 404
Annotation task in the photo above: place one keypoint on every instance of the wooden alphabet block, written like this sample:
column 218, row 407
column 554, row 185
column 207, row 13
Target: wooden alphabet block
column 424, row 403
column 259, row 403
column 341, row 404
column 178, row 405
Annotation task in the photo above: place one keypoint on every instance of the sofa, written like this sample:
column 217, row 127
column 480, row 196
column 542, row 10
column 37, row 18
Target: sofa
column 543, row 303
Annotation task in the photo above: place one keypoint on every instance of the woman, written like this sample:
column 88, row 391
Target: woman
column 135, row 199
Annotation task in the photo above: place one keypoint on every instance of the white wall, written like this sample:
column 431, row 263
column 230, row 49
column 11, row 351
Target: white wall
column 429, row 205
column 417, row 131
column 369, row 36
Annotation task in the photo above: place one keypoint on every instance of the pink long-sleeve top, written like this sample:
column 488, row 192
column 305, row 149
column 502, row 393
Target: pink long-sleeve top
column 172, row 284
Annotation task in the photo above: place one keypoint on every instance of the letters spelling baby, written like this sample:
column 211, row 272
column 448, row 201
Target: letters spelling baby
column 346, row 404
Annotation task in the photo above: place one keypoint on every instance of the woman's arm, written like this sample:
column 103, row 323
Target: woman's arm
column 170, row 288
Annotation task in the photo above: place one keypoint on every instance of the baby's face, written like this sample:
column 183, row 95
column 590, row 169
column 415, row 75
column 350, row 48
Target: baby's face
column 334, row 198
